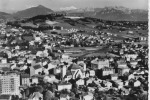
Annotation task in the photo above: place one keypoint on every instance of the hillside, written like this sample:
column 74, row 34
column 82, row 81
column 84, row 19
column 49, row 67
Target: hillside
column 4, row 15
column 34, row 11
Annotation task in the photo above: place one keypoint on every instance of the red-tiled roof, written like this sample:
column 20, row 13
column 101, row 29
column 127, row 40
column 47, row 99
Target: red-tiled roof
column 25, row 75
column 75, row 66
column 4, row 97
column 37, row 66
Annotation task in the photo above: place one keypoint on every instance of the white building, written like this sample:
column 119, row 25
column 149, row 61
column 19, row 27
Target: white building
column 99, row 64
column 35, row 70
column 9, row 84
column 63, row 86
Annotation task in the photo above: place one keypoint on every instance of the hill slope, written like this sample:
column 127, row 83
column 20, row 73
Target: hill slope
column 34, row 11
column 4, row 15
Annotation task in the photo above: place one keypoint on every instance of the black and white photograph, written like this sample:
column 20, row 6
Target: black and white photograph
column 74, row 50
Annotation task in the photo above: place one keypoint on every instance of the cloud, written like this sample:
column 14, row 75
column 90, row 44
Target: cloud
column 68, row 8
column 30, row 6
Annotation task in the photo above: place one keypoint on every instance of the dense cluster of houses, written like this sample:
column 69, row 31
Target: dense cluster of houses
column 31, row 68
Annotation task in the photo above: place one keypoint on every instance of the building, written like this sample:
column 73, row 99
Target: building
column 131, row 56
column 9, row 84
column 64, row 85
column 80, row 82
column 34, row 80
column 114, row 77
column 25, row 79
column 5, row 97
column 122, row 68
column 88, row 97
column 35, row 70
column 4, row 65
column 143, row 38
column 107, row 71
column 77, row 72
column 92, row 73
column 99, row 64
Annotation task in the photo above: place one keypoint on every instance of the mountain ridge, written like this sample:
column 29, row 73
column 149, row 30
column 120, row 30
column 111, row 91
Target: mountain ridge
column 116, row 13
column 33, row 11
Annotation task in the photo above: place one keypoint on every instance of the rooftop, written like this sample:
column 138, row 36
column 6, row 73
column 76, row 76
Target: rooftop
column 4, row 97
column 37, row 66
column 25, row 75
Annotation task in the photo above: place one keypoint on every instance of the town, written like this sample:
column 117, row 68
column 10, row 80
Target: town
column 60, row 56
column 76, row 66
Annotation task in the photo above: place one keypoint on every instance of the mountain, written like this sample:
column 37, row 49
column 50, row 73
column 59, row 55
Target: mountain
column 4, row 15
column 33, row 11
column 122, row 14
column 112, row 13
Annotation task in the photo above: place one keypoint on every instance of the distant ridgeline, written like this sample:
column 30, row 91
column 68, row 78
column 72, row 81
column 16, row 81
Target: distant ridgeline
column 36, row 23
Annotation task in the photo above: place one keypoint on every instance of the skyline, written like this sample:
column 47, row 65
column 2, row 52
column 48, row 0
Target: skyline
column 16, row 5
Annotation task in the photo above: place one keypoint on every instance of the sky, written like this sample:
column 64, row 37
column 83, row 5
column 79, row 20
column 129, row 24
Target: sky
column 16, row 5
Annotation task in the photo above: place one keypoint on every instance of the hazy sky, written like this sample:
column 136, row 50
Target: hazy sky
column 15, row 5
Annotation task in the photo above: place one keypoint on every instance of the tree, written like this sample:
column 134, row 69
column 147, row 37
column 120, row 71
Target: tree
column 48, row 95
column 27, row 92
column 39, row 89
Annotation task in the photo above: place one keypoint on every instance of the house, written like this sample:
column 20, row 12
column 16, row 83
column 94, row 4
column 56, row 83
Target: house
column 77, row 71
column 25, row 79
column 131, row 56
column 57, row 70
column 5, row 65
column 91, row 89
column 121, row 64
column 88, row 96
column 122, row 68
column 125, row 91
column 119, row 83
column 142, row 38
column 82, row 64
column 65, row 56
column 121, row 71
column 89, row 81
column 36, row 69
column 53, row 64
column 126, row 83
column 108, row 84
column 64, row 85
column 87, row 73
column 50, row 79
column 37, row 38
column 80, row 82
column 114, row 77
column 131, row 76
column 68, row 76
column 64, row 97
column 137, row 83
column 40, row 54
column 34, row 80
column 92, row 73
column 133, row 63
column 99, row 64
column 107, row 71
column 4, row 61
column 5, row 97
